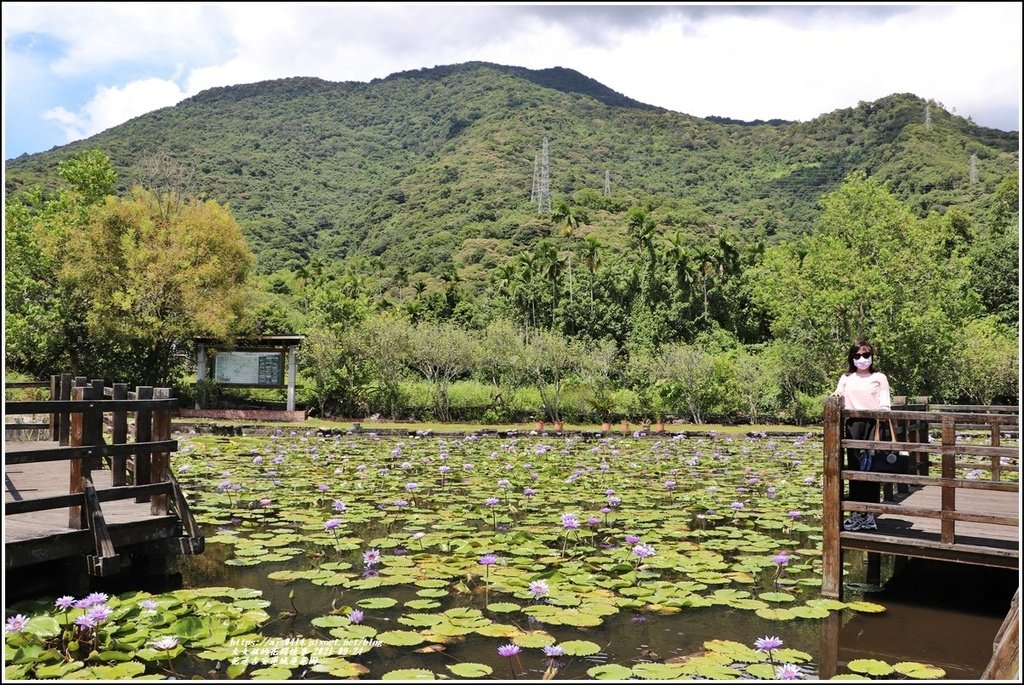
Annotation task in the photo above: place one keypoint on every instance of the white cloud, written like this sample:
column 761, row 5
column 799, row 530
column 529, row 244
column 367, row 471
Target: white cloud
column 744, row 62
column 112, row 106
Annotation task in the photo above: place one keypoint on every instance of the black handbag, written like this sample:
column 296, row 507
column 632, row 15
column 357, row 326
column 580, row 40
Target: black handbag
column 886, row 460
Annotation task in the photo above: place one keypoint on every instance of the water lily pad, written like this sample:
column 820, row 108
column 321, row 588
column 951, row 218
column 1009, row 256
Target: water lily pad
column 657, row 671
column 776, row 597
column 580, row 647
column 503, row 607
column 400, row 638
column 610, row 672
column 772, row 614
column 409, row 674
column 865, row 607
column 422, row 604
column 377, row 603
column 871, row 667
column 273, row 673
column 497, row 630
column 420, row 620
column 912, row 669
column 761, row 671
column 339, row 668
column 470, row 670
column 534, row 640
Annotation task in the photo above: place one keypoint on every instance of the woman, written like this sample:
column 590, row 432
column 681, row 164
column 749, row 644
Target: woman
column 862, row 388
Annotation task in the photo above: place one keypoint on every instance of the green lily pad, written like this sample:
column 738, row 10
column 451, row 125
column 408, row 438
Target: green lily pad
column 534, row 640
column 409, row 674
column 657, row 671
column 912, row 669
column 610, row 672
column 871, row 667
column 865, row 607
column 377, row 603
column 400, row 638
column 274, row 673
column 580, row 647
column 470, row 670
column 503, row 607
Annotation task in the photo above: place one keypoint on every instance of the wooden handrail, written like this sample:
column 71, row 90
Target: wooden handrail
column 73, row 406
column 85, row 451
column 27, row 506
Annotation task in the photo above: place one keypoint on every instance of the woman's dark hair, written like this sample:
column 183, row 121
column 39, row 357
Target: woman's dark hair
column 854, row 348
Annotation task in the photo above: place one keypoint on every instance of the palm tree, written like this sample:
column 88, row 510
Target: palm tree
column 526, row 274
column 571, row 218
column 551, row 267
column 679, row 256
column 592, row 259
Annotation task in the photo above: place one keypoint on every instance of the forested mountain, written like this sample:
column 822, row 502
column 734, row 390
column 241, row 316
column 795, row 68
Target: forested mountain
column 431, row 169
column 683, row 266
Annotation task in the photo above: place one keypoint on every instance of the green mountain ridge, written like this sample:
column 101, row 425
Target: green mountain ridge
column 430, row 170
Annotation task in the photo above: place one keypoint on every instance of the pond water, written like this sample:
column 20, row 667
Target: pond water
column 651, row 558
column 923, row 622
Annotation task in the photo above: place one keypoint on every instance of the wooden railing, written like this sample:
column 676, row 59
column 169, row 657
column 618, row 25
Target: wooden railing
column 140, row 468
column 913, row 437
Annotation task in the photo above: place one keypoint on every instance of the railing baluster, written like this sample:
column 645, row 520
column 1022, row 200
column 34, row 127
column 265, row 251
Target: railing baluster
column 143, row 433
column 119, row 436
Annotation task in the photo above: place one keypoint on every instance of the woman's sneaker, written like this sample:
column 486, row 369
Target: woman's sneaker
column 855, row 522
column 868, row 522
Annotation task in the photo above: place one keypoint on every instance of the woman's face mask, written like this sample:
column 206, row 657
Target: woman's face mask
column 862, row 363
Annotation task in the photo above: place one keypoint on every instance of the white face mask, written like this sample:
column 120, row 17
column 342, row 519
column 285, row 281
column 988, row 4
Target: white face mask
column 862, row 363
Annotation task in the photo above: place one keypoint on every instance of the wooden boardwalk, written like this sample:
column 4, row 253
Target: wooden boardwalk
column 41, row 536
column 960, row 500
column 99, row 502
column 976, row 543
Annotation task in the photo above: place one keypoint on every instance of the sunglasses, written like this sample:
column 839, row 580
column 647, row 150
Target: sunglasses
column 862, row 355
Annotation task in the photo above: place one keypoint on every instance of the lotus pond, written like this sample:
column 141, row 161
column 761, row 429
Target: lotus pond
column 519, row 557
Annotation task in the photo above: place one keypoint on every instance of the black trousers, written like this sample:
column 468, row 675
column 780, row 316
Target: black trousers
column 861, row 491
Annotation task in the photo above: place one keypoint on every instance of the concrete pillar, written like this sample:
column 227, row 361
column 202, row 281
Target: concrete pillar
column 200, row 375
column 291, row 378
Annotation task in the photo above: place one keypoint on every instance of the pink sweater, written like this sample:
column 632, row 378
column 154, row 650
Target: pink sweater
column 870, row 391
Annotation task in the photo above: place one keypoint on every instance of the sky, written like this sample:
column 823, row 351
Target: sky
column 73, row 70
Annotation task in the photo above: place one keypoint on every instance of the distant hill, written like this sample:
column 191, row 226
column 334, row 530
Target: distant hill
column 431, row 169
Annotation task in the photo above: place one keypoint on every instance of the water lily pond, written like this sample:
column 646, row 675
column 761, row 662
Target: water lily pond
column 518, row 557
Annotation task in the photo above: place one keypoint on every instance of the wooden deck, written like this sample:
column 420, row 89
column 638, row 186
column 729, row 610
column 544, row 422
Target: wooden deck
column 42, row 536
column 976, row 543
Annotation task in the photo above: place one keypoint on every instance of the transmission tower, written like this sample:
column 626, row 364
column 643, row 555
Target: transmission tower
column 974, row 168
column 607, row 184
column 544, row 187
column 534, row 188
column 928, row 116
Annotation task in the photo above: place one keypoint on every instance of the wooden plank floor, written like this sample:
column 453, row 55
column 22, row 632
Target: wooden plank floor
column 967, row 501
column 983, row 544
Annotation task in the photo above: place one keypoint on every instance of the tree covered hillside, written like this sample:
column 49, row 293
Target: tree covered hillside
column 685, row 266
column 411, row 167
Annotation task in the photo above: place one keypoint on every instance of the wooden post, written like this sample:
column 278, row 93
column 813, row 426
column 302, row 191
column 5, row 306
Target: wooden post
column 55, row 417
column 831, row 519
column 119, row 436
column 66, row 383
column 79, row 467
column 94, row 426
column 997, row 470
column 948, row 534
column 143, row 433
column 161, row 431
